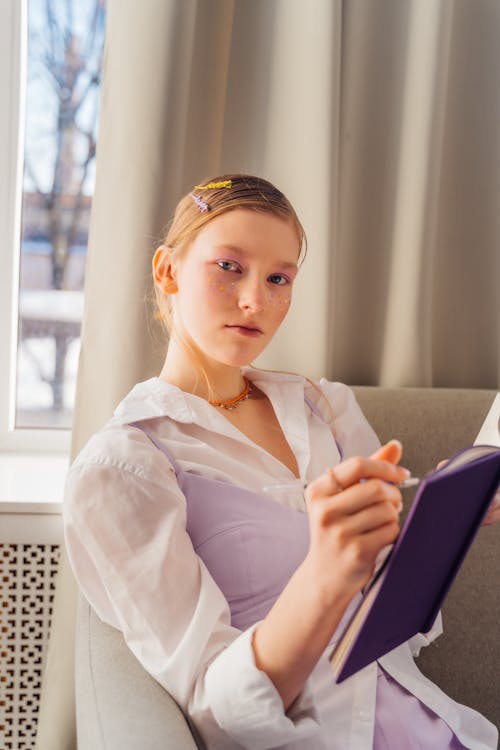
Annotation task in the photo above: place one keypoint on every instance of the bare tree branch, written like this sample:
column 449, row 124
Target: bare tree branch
column 71, row 66
column 28, row 168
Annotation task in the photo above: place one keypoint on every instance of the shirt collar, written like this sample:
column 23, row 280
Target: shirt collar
column 155, row 398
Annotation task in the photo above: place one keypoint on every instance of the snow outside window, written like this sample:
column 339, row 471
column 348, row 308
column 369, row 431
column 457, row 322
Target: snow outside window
column 51, row 60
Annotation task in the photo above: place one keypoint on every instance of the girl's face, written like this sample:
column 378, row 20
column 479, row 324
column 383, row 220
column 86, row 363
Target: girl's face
column 234, row 284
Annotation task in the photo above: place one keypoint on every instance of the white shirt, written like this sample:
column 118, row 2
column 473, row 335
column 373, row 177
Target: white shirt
column 125, row 529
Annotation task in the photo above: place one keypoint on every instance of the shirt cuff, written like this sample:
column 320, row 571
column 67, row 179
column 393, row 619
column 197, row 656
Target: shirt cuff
column 423, row 639
column 247, row 706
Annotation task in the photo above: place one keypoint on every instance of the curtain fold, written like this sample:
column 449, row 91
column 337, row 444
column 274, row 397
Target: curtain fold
column 407, row 339
column 380, row 121
column 417, row 245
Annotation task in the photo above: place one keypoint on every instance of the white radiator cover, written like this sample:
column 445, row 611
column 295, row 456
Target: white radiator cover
column 30, row 545
column 27, row 586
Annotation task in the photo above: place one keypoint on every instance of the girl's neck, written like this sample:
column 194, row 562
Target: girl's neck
column 179, row 370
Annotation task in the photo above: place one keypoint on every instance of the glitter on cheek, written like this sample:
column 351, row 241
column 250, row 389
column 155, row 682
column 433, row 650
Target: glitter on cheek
column 278, row 299
column 213, row 282
column 217, row 285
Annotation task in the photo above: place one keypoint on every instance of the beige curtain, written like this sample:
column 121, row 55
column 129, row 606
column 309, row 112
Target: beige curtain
column 415, row 283
column 379, row 118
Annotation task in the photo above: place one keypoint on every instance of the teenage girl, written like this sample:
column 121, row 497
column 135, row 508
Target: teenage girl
column 229, row 594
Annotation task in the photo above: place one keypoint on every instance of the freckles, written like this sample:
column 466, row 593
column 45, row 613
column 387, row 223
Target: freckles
column 230, row 288
column 215, row 286
column 279, row 300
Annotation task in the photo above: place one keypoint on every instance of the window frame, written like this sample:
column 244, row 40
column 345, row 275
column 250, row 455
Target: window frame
column 13, row 69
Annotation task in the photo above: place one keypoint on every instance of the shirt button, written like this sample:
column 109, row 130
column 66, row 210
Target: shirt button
column 362, row 716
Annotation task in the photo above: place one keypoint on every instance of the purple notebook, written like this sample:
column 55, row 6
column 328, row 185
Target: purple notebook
column 407, row 593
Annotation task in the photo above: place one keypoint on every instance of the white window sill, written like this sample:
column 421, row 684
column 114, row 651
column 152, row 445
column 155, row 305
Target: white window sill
column 32, row 482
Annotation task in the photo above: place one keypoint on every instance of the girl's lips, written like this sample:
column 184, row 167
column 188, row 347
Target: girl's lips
column 246, row 330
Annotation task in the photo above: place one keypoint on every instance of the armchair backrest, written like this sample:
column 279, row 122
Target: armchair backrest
column 119, row 706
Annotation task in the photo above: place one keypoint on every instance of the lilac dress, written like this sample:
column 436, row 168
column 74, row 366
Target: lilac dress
column 252, row 544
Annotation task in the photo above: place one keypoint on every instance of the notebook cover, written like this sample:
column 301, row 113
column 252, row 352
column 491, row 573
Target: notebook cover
column 445, row 516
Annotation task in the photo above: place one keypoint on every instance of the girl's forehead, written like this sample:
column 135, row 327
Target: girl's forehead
column 246, row 231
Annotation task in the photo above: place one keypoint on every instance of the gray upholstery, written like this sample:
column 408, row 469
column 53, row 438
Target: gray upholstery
column 120, row 707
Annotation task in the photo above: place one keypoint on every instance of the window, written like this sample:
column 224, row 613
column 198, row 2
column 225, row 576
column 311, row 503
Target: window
column 51, row 63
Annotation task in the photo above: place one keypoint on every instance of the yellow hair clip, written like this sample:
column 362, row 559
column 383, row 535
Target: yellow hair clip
column 215, row 185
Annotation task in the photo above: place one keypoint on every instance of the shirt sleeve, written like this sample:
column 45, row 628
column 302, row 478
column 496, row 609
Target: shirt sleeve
column 125, row 532
column 349, row 425
column 424, row 639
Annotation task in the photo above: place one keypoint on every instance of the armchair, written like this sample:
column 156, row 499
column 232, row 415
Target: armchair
column 120, row 707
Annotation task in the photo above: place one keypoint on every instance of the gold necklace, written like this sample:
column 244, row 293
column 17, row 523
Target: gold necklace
column 232, row 403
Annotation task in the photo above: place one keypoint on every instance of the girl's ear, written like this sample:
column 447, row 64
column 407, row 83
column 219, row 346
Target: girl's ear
column 163, row 271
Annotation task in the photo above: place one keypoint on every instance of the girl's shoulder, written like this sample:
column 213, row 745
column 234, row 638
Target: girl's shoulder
column 334, row 402
column 333, row 399
column 120, row 442
column 338, row 407
column 121, row 447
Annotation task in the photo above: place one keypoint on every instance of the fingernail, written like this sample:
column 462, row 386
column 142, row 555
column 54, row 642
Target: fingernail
column 397, row 442
column 406, row 472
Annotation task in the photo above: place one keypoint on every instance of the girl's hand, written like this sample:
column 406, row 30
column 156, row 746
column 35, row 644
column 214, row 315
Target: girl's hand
column 354, row 513
column 493, row 514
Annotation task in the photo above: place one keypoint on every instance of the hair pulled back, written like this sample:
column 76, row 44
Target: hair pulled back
column 207, row 200
column 218, row 195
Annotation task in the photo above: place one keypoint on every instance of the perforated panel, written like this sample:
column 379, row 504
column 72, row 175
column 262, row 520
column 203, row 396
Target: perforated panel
column 27, row 585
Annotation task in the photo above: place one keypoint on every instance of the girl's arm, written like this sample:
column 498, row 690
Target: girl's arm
column 353, row 513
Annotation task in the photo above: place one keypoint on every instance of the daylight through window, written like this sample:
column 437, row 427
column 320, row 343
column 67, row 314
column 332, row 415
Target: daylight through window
column 65, row 48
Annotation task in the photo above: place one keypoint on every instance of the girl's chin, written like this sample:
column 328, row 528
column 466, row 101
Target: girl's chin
column 236, row 356
column 234, row 361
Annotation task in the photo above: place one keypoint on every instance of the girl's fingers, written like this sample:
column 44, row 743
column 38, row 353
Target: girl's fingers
column 359, row 497
column 370, row 518
column 353, row 470
column 359, row 482
column 391, row 451
column 493, row 514
column 377, row 539
column 354, row 512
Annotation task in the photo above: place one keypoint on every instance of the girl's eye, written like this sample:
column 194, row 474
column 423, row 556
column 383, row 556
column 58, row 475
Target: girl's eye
column 228, row 265
column 278, row 279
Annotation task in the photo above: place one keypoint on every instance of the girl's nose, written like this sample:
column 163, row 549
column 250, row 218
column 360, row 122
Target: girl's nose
column 252, row 296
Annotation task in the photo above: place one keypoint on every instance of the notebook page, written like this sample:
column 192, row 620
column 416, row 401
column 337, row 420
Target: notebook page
column 489, row 434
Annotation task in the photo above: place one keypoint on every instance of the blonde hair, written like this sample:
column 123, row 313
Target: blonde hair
column 212, row 198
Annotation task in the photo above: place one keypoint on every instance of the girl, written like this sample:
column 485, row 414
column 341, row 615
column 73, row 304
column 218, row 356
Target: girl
column 232, row 597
